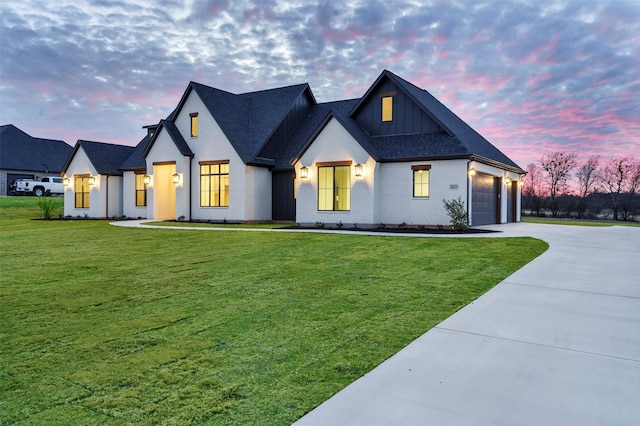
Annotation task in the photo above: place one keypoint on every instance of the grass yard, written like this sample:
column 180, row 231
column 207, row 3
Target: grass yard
column 108, row 325
column 576, row 222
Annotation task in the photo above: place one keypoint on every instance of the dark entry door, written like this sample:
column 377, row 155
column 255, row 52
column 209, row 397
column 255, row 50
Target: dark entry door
column 283, row 204
column 485, row 194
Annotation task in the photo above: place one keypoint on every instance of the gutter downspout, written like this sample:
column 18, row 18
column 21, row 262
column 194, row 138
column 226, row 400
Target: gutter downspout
column 190, row 184
column 468, row 198
column 107, row 201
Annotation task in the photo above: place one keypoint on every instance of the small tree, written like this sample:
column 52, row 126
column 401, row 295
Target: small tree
column 457, row 213
column 532, row 191
column 621, row 177
column 557, row 167
column 588, row 178
column 48, row 206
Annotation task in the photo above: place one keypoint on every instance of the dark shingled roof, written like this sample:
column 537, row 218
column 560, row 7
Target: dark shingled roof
column 308, row 129
column 248, row 120
column 136, row 160
column 105, row 157
column 470, row 143
column 457, row 141
column 175, row 136
column 20, row 151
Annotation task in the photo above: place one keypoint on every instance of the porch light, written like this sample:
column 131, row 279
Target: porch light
column 92, row 180
column 359, row 170
column 472, row 172
column 147, row 180
column 176, row 178
column 520, row 183
column 507, row 181
column 66, row 181
column 304, row 173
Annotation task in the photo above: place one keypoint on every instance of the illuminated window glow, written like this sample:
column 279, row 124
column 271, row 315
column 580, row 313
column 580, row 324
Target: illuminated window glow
column 214, row 184
column 387, row 108
column 194, row 124
column 334, row 188
column 141, row 190
column 421, row 175
column 82, row 190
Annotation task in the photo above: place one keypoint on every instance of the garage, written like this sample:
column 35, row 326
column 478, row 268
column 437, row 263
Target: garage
column 485, row 196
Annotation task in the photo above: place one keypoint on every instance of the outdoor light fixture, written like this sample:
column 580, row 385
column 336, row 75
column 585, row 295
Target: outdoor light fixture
column 176, row 178
column 147, row 179
column 507, row 181
column 304, row 173
column 472, row 172
column 92, row 180
column 66, row 181
column 520, row 183
column 359, row 170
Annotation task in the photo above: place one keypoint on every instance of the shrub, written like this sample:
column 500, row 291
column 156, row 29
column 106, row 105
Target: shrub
column 457, row 213
column 47, row 207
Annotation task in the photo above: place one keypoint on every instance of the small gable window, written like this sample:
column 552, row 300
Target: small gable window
column 194, row 124
column 214, row 183
column 387, row 108
column 82, row 190
column 334, row 186
column 421, row 180
column 141, row 190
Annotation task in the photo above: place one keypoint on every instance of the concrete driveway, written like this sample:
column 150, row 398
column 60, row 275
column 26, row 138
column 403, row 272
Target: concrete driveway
column 556, row 343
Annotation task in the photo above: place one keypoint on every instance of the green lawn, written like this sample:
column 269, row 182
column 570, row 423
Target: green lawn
column 109, row 325
column 576, row 222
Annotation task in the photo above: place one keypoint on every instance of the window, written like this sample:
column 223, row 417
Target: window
column 421, row 180
column 214, row 183
column 387, row 108
column 334, row 187
column 141, row 190
column 81, row 188
column 194, row 124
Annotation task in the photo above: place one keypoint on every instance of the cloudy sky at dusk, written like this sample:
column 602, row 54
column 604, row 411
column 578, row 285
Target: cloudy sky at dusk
column 532, row 77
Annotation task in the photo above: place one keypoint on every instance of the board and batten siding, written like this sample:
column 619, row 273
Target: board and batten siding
column 282, row 135
column 408, row 118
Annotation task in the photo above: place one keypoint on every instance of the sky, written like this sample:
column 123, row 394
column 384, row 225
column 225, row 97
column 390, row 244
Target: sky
column 532, row 77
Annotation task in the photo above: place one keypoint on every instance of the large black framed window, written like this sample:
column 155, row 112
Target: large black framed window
column 214, row 183
column 334, row 186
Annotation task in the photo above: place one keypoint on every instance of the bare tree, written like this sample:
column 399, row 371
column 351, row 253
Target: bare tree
column 557, row 171
column 588, row 179
column 619, row 177
column 532, row 189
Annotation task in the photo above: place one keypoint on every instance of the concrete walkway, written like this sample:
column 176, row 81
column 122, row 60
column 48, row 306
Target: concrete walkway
column 556, row 343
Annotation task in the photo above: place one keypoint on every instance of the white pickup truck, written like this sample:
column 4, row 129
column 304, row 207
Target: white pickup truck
column 45, row 186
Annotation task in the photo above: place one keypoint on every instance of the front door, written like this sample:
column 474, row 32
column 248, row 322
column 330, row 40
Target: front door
column 164, row 191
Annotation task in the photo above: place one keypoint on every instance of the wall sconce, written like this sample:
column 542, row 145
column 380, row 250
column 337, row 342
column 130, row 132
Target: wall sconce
column 304, row 173
column 147, row 180
column 507, row 181
column 66, row 181
column 359, row 170
column 175, row 178
column 472, row 172
column 92, row 180
column 520, row 183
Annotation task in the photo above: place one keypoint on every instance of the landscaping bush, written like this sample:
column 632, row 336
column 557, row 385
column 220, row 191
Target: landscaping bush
column 457, row 213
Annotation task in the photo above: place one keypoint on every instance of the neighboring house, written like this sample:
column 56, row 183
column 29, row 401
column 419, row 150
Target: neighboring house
column 94, row 179
column 390, row 157
column 25, row 157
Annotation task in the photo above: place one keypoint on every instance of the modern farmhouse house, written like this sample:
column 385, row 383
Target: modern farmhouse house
column 389, row 157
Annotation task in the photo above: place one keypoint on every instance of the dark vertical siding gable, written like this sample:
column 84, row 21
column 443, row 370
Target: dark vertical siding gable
column 285, row 130
column 408, row 118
